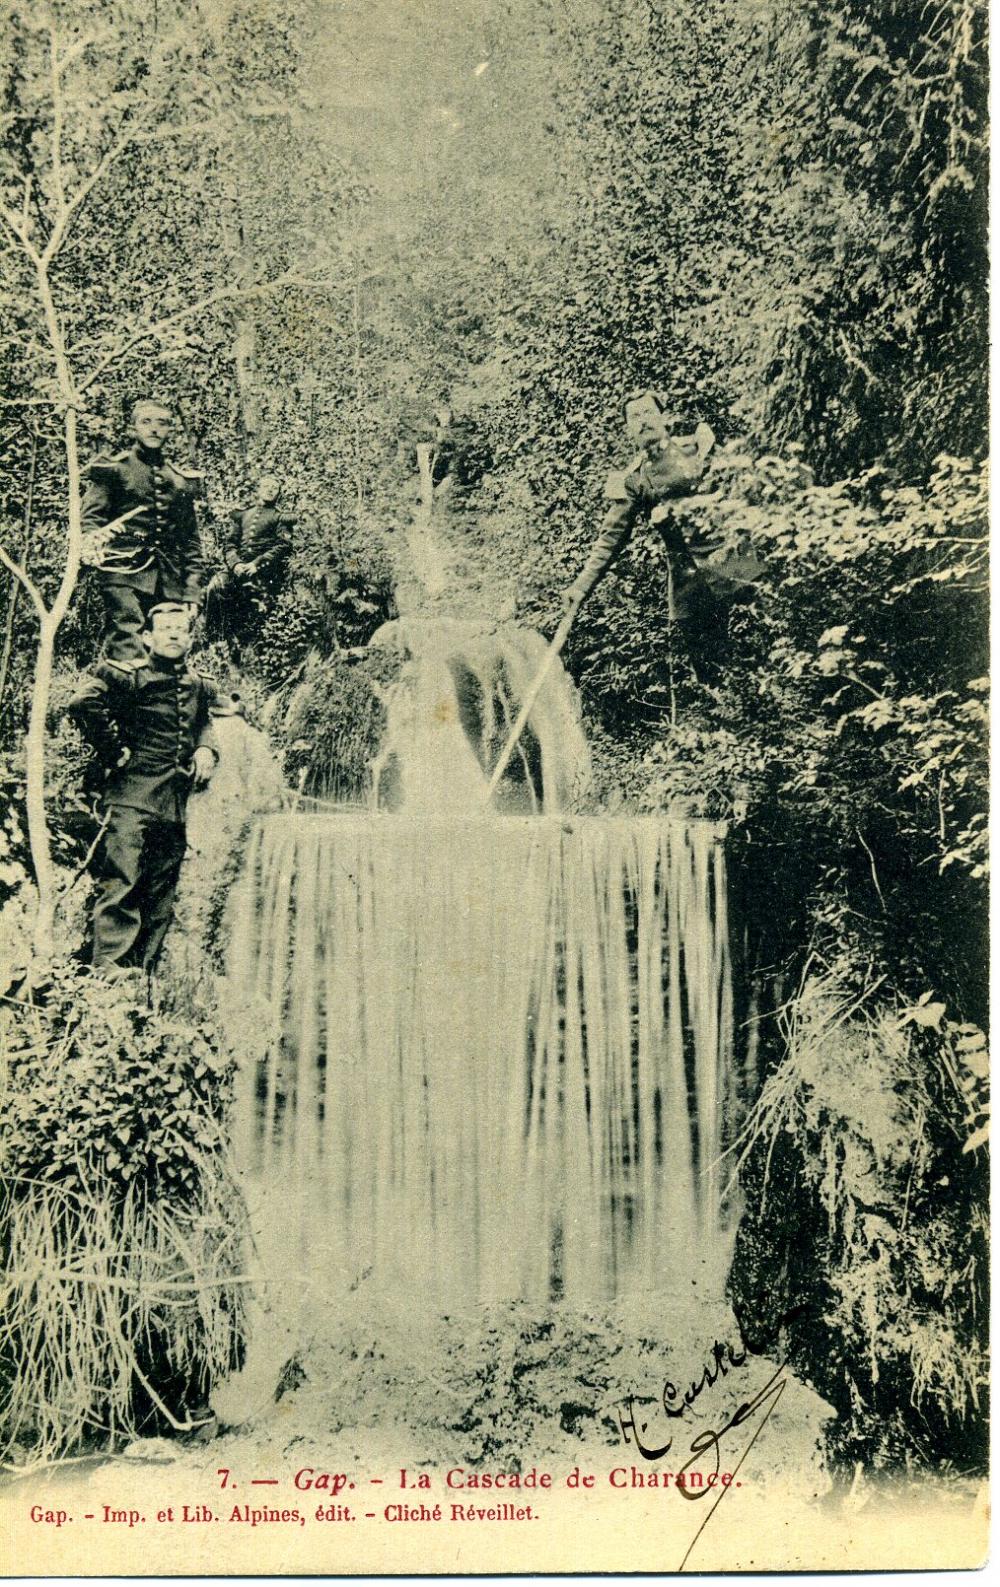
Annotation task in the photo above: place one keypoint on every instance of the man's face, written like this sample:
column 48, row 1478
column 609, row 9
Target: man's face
column 151, row 425
column 169, row 636
column 268, row 490
column 644, row 421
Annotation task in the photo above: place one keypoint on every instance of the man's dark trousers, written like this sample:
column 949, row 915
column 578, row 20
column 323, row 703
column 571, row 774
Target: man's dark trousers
column 155, row 550
column 125, row 610
column 138, row 869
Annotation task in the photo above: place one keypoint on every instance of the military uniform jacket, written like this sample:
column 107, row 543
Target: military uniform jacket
column 160, row 712
column 648, row 483
column 261, row 535
column 161, row 542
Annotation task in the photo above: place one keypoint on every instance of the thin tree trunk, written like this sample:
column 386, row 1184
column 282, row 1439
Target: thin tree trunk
column 245, row 337
column 8, row 633
column 38, row 827
column 245, row 353
column 39, row 837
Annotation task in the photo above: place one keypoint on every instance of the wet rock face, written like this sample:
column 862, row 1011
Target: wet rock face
column 514, row 1383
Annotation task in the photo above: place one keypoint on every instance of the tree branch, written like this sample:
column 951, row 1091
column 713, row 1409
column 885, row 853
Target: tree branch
column 871, row 861
column 73, row 52
column 57, row 124
column 20, row 233
column 159, row 328
column 26, row 581
column 852, row 358
column 29, row 499
column 85, row 862
column 71, row 207
column 185, row 129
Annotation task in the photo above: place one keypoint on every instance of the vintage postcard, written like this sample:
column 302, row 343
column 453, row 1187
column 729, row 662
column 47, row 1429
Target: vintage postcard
column 493, row 690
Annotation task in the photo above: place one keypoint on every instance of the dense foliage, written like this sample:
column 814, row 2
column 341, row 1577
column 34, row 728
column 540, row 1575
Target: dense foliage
column 889, row 1275
column 113, row 1091
column 772, row 213
column 121, row 1226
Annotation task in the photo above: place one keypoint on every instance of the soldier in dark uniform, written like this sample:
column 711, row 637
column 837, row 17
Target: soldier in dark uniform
column 667, row 469
column 141, row 532
column 256, row 553
column 150, row 723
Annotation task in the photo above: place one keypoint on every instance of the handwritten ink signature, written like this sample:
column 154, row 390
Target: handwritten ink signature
column 708, row 1440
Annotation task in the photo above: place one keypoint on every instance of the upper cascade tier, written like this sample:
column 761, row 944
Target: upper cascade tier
column 450, row 713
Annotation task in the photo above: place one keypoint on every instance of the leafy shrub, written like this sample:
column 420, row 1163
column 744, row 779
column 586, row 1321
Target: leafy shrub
column 299, row 623
column 121, row 1224
column 113, row 1089
column 332, row 721
column 335, row 611
column 13, row 842
column 73, row 779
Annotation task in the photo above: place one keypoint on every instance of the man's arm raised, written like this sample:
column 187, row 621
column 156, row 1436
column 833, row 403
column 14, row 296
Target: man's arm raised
column 616, row 530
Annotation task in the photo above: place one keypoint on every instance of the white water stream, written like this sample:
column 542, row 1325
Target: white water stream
column 500, row 1037
column 500, row 1050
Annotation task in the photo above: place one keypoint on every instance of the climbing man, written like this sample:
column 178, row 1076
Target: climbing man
column 141, row 531
column 667, row 469
column 149, row 722
column 258, row 546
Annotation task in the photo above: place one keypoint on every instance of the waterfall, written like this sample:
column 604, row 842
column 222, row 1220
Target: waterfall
column 450, row 712
column 500, row 1050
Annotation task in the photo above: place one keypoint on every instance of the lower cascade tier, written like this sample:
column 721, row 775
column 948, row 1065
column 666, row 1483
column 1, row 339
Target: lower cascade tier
column 495, row 1055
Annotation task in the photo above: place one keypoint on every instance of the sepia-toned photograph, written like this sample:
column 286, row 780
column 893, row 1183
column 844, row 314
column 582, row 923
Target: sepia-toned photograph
column 493, row 787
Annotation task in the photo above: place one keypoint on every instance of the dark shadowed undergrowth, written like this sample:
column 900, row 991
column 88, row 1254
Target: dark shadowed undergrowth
column 866, row 1148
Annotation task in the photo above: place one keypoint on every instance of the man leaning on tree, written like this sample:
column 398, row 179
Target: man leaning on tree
column 141, row 531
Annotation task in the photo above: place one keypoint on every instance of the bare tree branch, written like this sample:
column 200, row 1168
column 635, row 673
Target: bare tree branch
column 26, row 581
column 72, row 206
column 85, row 862
column 29, row 501
column 180, row 129
column 72, row 52
column 20, row 233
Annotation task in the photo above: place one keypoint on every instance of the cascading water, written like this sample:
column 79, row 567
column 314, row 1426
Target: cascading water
column 501, row 1037
column 449, row 715
column 501, row 1048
